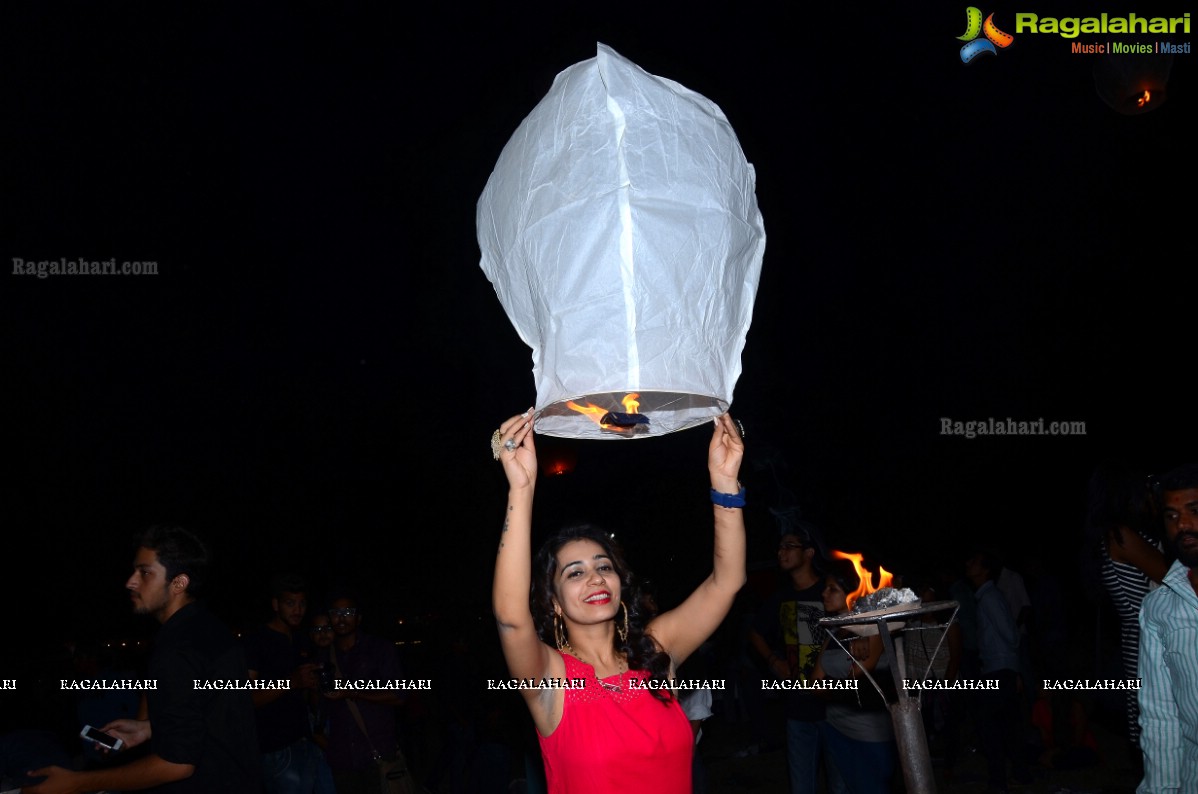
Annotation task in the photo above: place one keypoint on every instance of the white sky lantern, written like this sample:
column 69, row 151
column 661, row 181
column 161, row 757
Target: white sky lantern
column 621, row 231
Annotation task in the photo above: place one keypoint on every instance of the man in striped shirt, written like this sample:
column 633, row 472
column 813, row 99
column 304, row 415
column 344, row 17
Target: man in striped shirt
column 1169, row 649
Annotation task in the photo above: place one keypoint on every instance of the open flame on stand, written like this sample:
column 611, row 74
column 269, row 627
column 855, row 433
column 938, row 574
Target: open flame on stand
column 885, row 578
column 596, row 414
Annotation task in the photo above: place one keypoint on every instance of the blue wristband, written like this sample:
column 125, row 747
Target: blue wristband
column 728, row 499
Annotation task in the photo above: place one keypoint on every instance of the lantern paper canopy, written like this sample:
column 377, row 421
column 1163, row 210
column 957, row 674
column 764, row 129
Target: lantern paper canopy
column 621, row 232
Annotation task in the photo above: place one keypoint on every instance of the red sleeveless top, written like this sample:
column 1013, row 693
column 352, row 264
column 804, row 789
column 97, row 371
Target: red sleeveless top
column 616, row 738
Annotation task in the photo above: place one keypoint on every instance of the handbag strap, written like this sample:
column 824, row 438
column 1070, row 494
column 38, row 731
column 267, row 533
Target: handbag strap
column 353, row 710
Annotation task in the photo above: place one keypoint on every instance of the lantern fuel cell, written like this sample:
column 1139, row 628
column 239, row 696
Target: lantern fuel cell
column 620, row 419
column 621, row 232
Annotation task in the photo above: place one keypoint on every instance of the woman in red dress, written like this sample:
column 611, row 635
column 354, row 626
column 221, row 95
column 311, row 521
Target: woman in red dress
column 620, row 729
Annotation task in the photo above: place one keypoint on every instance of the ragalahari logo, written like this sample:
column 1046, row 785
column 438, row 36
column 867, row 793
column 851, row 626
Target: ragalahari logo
column 973, row 27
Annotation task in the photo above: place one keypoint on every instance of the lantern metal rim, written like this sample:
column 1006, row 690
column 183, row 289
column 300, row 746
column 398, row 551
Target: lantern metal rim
column 668, row 412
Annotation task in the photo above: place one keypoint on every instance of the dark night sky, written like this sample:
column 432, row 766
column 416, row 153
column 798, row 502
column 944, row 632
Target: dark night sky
column 312, row 378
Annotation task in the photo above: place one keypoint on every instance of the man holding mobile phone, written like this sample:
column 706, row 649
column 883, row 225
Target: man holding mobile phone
column 202, row 739
column 105, row 740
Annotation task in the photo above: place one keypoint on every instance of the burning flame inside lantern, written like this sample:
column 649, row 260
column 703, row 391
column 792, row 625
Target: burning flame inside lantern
column 595, row 413
column 885, row 578
column 1144, row 99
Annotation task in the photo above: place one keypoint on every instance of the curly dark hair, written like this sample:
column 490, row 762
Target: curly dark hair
column 642, row 652
column 1182, row 478
column 287, row 582
column 180, row 552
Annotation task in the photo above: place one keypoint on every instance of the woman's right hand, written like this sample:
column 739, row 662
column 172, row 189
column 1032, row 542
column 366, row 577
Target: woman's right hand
column 519, row 463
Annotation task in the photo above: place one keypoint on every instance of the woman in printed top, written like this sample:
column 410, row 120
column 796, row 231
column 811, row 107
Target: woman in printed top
column 624, row 731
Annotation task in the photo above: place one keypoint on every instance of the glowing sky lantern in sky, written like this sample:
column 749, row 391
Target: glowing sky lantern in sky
column 1132, row 83
column 621, row 232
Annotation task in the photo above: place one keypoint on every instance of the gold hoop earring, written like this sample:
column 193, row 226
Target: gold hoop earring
column 623, row 630
column 559, row 633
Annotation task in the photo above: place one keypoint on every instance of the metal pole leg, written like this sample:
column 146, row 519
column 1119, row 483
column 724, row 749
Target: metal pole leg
column 912, row 746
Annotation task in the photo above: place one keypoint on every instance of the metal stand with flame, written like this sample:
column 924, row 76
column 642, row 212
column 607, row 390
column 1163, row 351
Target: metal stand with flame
column 904, row 712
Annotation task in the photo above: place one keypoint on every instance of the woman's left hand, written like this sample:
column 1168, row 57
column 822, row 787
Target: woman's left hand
column 724, row 455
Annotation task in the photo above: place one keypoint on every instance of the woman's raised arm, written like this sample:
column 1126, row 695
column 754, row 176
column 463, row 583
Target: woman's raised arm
column 683, row 629
column 526, row 655
column 1125, row 545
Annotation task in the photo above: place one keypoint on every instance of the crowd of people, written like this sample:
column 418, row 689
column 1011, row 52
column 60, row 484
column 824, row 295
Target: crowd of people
column 1021, row 712
column 276, row 710
column 310, row 702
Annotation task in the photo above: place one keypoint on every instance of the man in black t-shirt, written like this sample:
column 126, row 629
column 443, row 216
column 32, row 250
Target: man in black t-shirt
column 201, row 737
column 355, row 740
column 787, row 635
column 278, row 651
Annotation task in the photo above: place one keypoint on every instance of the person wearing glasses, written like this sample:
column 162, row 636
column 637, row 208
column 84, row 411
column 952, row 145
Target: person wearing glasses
column 787, row 635
column 320, row 635
column 361, row 721
column 277, row 651
column 320, row 632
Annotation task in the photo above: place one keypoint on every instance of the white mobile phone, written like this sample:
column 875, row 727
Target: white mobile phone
column 99, row 737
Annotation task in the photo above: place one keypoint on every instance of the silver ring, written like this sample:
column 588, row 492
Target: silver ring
column 510, row 445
